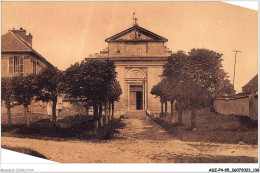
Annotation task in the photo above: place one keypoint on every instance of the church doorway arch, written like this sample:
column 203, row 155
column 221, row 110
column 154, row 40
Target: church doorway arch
column 136, row 82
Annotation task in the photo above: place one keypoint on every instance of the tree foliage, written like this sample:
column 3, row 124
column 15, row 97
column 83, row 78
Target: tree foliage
column 7, row 96
column 49, row 86
column 24, row 89
column 114, row 91
column 49, row 83
column 197, row 77
column 93, row 82
column 194, row 78
column 159, row 90
column 88, row 80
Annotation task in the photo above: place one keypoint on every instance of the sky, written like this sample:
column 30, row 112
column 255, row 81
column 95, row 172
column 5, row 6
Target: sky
column 67, row 32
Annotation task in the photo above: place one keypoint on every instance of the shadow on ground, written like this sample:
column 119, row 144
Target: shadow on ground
column 186, row 158
column 215, row 128
column 24, row 151
column 78, row 127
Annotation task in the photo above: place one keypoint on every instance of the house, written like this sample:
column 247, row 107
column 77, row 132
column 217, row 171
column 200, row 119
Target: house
column 18, row 56
column 139, row 56
column 251, row 86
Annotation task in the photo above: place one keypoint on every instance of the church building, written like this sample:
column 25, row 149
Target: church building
column 139, row 55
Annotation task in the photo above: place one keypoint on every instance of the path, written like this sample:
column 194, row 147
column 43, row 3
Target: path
column 141, row 141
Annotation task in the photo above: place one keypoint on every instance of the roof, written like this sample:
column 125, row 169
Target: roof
column 10, row 42
column 13, row 43
column 153, row 36
column 253, row 82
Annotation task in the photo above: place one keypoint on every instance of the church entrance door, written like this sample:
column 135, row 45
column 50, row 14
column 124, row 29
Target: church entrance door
column 136, row 97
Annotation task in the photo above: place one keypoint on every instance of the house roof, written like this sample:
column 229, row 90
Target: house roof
column 154, row 36
column 10, row 42
column 13, row 43
column 253, row 82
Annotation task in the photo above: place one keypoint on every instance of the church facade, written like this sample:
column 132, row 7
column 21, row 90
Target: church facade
column 139, row 55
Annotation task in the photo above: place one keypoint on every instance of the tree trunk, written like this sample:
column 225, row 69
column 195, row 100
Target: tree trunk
column 165, row 112
column 9, row 116
column 171, row 111
column 161, row 107
column 95, row 116
column 112, row 117
column 109, row 112
column 179, row 111
column 87, row 110
column 193, row 117
column 105, row 117
column 180, row 116
column 100, row 114
column 54, row 105
column 26, row 115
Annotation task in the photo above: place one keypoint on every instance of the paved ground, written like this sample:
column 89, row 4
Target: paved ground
column 141, row 141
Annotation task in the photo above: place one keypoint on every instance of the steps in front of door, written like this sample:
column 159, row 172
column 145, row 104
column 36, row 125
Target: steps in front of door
column 135, row 113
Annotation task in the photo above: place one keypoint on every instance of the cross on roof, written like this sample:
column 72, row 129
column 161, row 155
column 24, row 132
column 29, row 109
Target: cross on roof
column 134, row 19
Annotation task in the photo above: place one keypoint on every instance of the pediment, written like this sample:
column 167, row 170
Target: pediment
column 136, row 33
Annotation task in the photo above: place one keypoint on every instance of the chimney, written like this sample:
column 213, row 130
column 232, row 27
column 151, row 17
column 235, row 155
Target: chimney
column 22, row 33
column 29, row 38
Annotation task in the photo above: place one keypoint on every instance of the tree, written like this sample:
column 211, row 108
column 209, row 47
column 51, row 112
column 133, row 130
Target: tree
column 225, row 88
column 49, row 82
column 114, row 93
column 194, row 79
column 89, row 81
column 24, row 89
column 175, row 73
column 159, row 90
column 7, row 96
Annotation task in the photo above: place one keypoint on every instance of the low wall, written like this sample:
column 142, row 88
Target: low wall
column 34, row 107
column 186, row 116
column 246, row 106
column 239, row 106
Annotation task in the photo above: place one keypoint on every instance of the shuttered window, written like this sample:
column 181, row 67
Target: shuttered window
column 34, row 63
column 21, row 65
column 11, row 65
column 16, row 64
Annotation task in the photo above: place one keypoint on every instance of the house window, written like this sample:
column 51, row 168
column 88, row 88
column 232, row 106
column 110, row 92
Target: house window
column 34, row 63
column 16, row 64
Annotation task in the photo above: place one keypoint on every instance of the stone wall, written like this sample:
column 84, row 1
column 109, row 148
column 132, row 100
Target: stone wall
column 246, row 106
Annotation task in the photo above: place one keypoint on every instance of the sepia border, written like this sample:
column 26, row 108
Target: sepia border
column 78, row 167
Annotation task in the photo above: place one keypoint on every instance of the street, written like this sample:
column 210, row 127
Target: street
column 141, row 141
